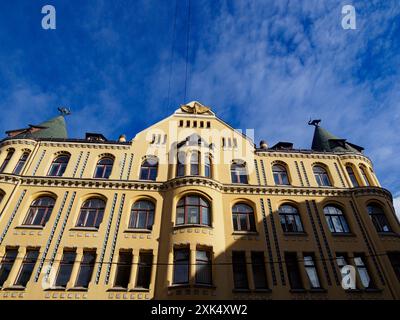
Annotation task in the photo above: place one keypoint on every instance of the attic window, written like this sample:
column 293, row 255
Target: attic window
column 201, row 124
column 194, row 124
column 187, row 123
column 208, row 124
column 180, row 123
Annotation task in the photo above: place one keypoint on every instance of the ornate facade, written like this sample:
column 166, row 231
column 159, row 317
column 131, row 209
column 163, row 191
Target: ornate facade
column 191, row 209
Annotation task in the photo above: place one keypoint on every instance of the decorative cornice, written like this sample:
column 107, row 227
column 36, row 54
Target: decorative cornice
column 194, row 181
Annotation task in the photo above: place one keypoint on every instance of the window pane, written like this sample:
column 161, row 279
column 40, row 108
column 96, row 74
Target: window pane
column 27, row 267
column 144, row 270
column 258, row 267
column 181, row 266
column 123, row 271
column 7, row 264
column 203, row 267
column 293, row 271
column 239, row 270
column 180, row 215
column 86, row 269
column 65, row 269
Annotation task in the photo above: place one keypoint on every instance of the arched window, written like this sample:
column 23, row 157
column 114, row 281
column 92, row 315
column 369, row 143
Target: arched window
column 142, row 215
column 104, row 168
column 91, row 214
column 21, row 163
column 180, row 166
column 280, row 175
column 39, row 211
column 352, row 176
column 239, row 173
column 148, row 170
column 6, row 160
column 193, row 210
column 290, row 219
column 194, row 164
column 365, row 176
column 58, row 166
column 378, row 218
column 321, row 176
column 207, row 166
column 243, row 217
column 336, row 220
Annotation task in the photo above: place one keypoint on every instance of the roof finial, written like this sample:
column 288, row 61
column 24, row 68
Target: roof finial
column 64, row 111
column 314, row 122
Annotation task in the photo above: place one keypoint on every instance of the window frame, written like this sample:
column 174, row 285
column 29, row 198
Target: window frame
column 28, row 263
column 295, row 213
column 204, row 266
column 134, row 215
column 6, row 160
column 352, row 176
column 48, row 209
column 186, row 206
column 237, row 176
column 105, row 174
column 148, row 171
column 183, row 263
column 280, row 173
column 341, row 217
column 61, row 166
column 98, row 211
column 65, row 266
column 320, row 175
column 86, row 264
column 249, row 216
column 378, row 217
column 123, row 269
column 21, row 163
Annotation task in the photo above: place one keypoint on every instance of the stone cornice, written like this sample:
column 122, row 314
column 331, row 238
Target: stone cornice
column 195, row 182
column 67, row 144
column 312, row 155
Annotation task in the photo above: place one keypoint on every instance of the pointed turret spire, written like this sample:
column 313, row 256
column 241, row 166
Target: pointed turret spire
column 54, row 128
column 324, row 141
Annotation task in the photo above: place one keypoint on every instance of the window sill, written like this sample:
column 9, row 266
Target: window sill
column 117, row 289
column 301, row 234
column 28, row 226
column 180, row 226
column 77, row 289
column 15, row 287
column 137, row 231
column 253, row 233
column 317, row 290
column 93, row 229
column 60, row 288
column 241, row 290
column 139, row 290
column 343, row 234
column 297, row 290
column 204, row 286
column 179, row 286
column 388, row 234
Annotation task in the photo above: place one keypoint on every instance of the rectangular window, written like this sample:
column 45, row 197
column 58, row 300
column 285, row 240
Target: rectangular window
column 123, row 272
column 7, row 264
column 234, row 142
column 201, row 124
column 86, row 269
column 259, row 273
column 362, row 270
column 240, row 279
column 203, row 267
column 187, row 123
column 28, row 264
column 208, row 124
column 181, row 123
column 194, row 124
column 311, row 271
column 144, row 270
column 65, row 269
column 181, row 266
column 394, row 258
column 293, row 271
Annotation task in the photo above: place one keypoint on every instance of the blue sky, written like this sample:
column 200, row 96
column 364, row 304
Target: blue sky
column 267, row 65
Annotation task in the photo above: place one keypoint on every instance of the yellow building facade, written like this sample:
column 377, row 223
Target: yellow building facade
column 192, row 209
